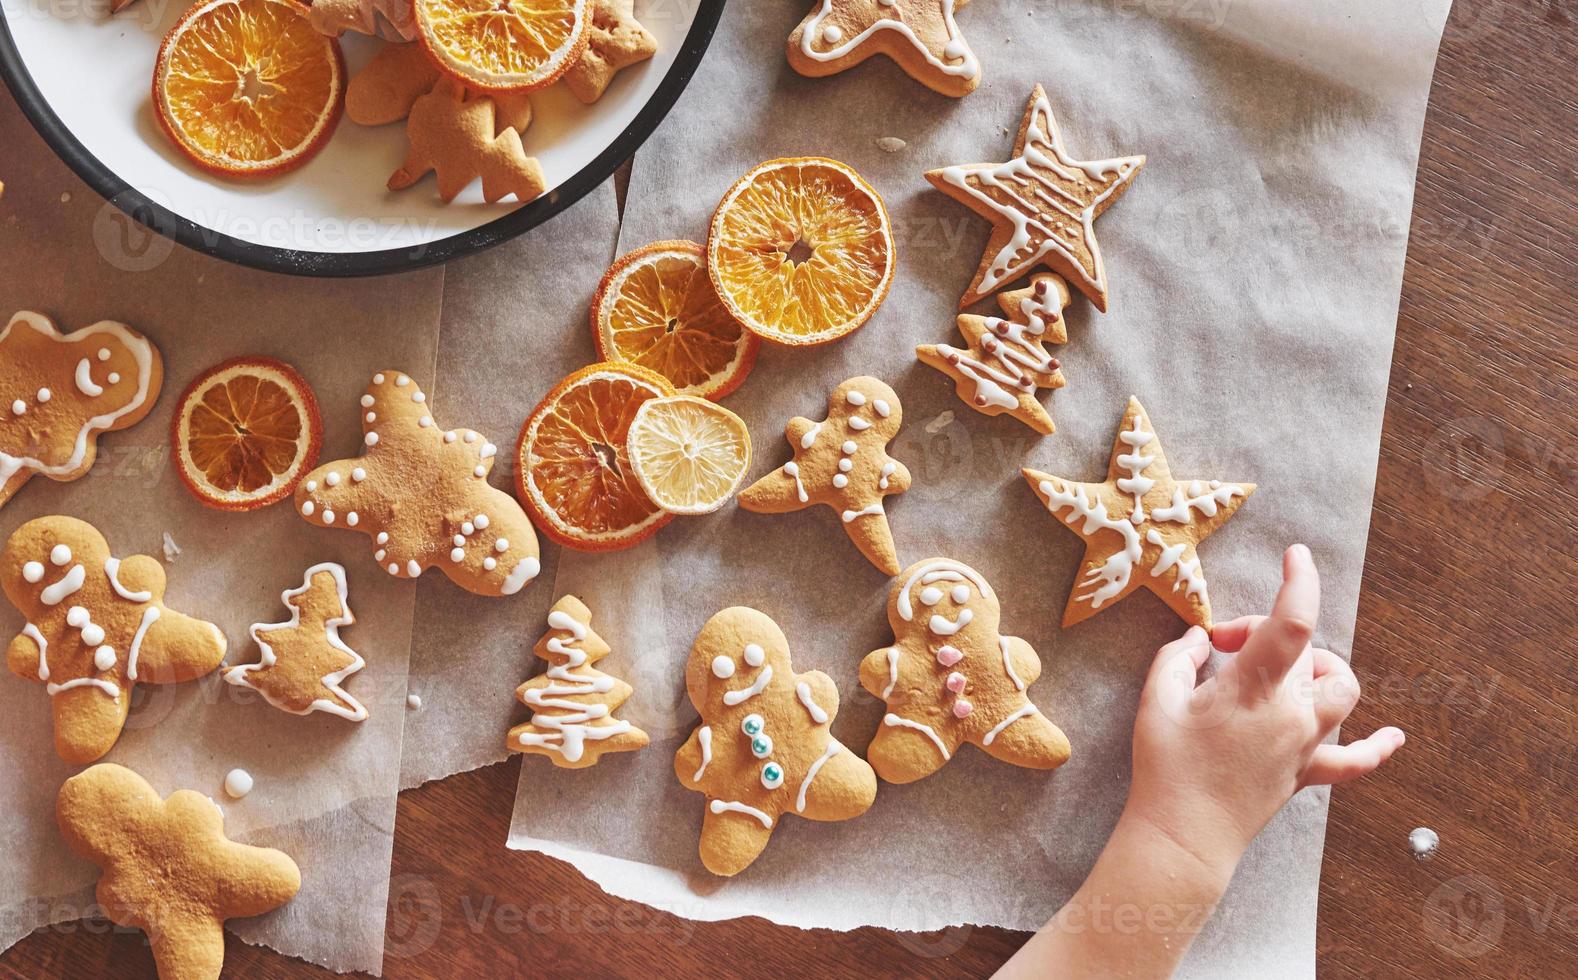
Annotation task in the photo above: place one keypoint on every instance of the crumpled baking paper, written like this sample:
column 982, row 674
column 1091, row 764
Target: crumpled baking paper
column 325, row 788
column 1255, row 270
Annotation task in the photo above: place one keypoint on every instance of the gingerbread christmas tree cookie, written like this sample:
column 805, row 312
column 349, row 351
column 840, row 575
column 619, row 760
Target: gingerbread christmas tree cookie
column 951, row 678
column 59, row 391
column 573, row 702
column 304, row 661
column 1140, row 527
column 421, row 492
column 96, row 625
column 1007, row 360
column 1043, row 205
column 167, row 867
column 921, row 35
column 765, row 747
column 843, row 462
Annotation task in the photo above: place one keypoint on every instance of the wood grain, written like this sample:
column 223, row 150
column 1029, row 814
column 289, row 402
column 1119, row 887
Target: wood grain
column 1465, row 633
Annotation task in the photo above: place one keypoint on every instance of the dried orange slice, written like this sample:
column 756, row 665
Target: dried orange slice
column 245, row 432
column 656, row 307
column 247, row 88
column 801, row 251
column 572, row 468
column 504, row 45
column 689, row 454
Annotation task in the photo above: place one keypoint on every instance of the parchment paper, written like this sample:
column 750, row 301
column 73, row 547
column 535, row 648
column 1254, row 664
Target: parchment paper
column 325, row 788
column 514, row 323
column 1255, row 272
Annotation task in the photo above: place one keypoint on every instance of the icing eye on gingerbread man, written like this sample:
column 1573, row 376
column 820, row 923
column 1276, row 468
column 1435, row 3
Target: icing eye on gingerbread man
column 421, row 492
column 765, row 745
column 95, row 626
column 842, row 462
column 59, row 391
column 949, row 678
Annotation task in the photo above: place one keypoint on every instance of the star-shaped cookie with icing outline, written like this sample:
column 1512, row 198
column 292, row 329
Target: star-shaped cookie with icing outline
column 167, row 866
column 1141, row 526
column 1043, row 204
column 421, row 492
column 921, row 35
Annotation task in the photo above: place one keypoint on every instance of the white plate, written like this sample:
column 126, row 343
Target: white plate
column 84, row 79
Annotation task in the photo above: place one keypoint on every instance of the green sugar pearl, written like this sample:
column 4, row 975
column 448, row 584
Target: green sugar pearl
column 772, row 775
column 752, row 725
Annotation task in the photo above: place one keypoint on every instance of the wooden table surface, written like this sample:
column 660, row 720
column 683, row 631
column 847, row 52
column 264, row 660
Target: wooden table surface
column 1465, row 634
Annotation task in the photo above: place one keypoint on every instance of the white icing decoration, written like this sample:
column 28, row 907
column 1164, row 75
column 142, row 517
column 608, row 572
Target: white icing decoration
column 412, row 568
column 855, row 398
column 961, row 593
column 1190, row 579
column 351, row 709
column 965, row 67
column 77, row 617
column 858, row 424
column 31, row 632
column 763, row 676
column 59, row 555
column 941, row 570
column 833, row 748
column 930, row 596
column 68, row 585
column 1178, row 511
column 802, row 691
column 849, row 447
column 893, row 671
column 704, row 739
column 108, row 688
column 1136, row 483
column 943, row 626
column 755, row 655
column 104, row 658
column 722, row 667
column 723, row 806
column 524, row 571
column 1027, row 709
column 33, row 572
column 871, row 510
column 84, row 379
column 149, row 617
column 809, row 439
column 1113, row 574
column 570, row 730
column 890, row 719
column 1008, row 663
column 792, row 470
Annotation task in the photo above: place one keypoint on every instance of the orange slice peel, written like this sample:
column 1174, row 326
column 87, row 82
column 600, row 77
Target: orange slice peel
column 504, row 45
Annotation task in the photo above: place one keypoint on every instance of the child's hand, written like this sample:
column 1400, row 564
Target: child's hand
column 1214, row 762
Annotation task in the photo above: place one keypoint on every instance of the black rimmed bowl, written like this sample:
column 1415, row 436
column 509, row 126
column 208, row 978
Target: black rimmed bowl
column 84, row 79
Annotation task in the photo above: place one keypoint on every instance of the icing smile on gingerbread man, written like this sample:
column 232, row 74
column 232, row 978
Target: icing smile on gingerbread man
column 950, row 678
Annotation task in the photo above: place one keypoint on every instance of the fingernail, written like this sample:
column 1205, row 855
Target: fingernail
column 1399, row 737
column 1195, row 635
column 1302, row 551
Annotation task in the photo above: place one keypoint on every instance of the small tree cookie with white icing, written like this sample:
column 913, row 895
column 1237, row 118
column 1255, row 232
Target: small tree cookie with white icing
column 1140, row 527
column 950, row 678
column 1007, row 360
column 59, row 391
column 572, row 703
column 304, row 661
column 843, row 462
column 765, row 747
column 96, row 625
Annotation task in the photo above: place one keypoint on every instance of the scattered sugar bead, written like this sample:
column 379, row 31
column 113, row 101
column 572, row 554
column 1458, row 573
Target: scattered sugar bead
column 238, row 783
column 413, row 701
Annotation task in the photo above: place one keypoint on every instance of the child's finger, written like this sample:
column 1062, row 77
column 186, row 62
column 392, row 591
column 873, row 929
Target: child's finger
column 1334, row 764
column 1176, row 669
column 1336, row 689
column 1276, row 644
column 1231, row 636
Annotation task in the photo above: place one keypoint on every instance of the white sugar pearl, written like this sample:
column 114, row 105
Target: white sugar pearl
column 351, row 519
column 383, row 537
column 60, row 554
column 367, row 401
column 481, row 520
column 450, row 437
column 328, row 516
column 378, row 379
column 18, row 407
column 358, row 474
column 371, row 439
column 480, row 471
column 501, row 545
column 425, row 421
column 459, row 554
column 418, row 397
column 333, row 480
column 312, row 486
column 840, row 480
column 307, row 508
column 402, row 381
column 471, row 437
column 845, row 465
column 394, row 569
column 460, row 540
column 849, row 447
column 468, row 528
column 114, row 378
column 33, row 572
column 380, row 554
column 44, row 395
column 104, row 353
column 371, row 416
column 412, row 568
column 489, row 563
column 238, row 783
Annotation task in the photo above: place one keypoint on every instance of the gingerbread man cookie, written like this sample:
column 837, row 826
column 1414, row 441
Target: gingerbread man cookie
column 1043, row 205
column 843, row 462
column 1141, row 526
column 573, row 702
column 96, row 625
column 168, row 868
column 951, row 678
column 921, row 35
column 59, row 391
column 421, row 492
column 765, row 746
column 1007, row 360
column 304, row 661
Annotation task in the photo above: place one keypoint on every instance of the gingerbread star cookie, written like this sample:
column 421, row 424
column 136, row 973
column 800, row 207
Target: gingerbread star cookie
column 1007, row 360
column 950, row 678
column 765, row 747
column 168, row 868
column 1140, row 527
column 421, row 493
column 96, row 625
column 304, row 661
column 1043, row 205
column 843, row 462
column 573, row 702
column 59, row 391
column 616, row 40
column 921, row 35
